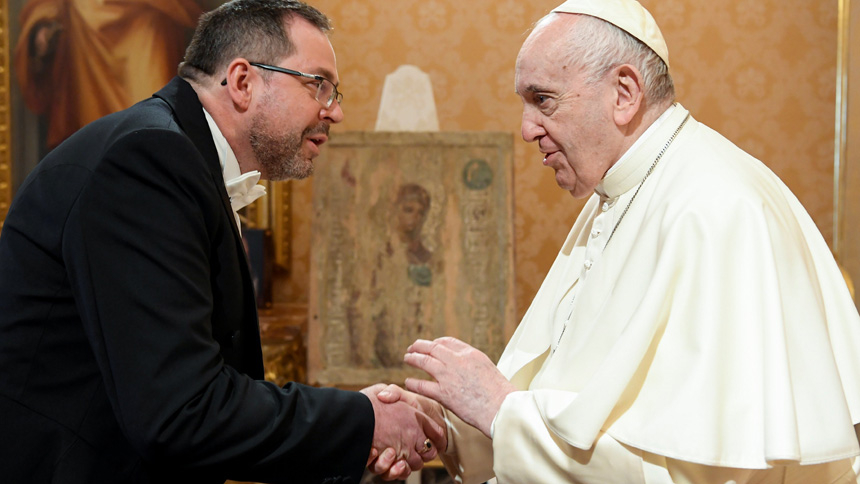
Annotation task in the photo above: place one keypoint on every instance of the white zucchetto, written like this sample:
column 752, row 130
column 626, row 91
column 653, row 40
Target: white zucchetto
column 628, row 15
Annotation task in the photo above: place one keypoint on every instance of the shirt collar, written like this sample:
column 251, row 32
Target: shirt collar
column 229, row 163
column 629, row 170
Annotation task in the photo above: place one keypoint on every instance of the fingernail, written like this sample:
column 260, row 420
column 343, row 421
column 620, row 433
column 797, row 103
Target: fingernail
column 384, row 394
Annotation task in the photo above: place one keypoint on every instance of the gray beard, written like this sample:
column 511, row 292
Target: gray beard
column 281, row 157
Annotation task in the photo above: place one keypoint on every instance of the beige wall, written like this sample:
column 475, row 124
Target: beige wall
column 762, row 72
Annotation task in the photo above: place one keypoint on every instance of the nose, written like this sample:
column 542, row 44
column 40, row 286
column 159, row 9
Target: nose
column 532, row 130
column 333, row 113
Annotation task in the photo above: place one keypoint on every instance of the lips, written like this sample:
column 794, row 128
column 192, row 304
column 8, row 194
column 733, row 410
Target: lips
column 313, row 146
column 547, row 155
column 318, row 139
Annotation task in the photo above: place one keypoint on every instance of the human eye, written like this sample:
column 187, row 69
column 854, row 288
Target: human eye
column 326, row 87
column 543, row 100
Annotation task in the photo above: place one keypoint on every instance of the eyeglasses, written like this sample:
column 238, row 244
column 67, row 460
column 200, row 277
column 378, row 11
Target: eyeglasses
column 327, row 92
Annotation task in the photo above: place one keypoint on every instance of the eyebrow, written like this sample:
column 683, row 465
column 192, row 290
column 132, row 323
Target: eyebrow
column 535, row 88
column 531, row 88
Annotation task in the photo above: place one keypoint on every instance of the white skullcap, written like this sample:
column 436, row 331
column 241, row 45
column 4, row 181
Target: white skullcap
column 628, row 15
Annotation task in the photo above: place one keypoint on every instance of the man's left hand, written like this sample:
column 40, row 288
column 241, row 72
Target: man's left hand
column 467, row 382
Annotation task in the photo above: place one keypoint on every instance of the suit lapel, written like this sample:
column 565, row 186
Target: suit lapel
column 189, row 114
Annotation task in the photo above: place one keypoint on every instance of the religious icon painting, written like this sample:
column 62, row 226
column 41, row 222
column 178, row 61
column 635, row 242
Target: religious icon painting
column 412, row 238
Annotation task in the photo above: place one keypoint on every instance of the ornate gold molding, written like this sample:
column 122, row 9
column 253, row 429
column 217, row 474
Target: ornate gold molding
column 281, row 217
column 274, row 212
column 5, row 119
column 841, row 139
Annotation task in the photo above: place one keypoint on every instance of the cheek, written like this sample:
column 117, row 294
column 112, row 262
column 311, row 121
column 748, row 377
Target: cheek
column 289, row 114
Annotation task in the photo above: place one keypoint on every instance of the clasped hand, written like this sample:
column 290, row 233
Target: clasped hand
column 400, row 434
column 466, row 382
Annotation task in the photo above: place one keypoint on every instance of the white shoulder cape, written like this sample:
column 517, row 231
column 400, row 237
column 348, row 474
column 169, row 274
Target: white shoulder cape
column 716, row 328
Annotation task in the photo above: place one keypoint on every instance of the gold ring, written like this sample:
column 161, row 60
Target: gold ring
column 426, row 447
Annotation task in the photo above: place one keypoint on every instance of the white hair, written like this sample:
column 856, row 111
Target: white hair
column 597, row 46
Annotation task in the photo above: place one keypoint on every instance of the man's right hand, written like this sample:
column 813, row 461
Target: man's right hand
column 399, row 436
column 433, row 409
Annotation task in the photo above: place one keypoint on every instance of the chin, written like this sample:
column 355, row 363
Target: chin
column 574, row 189
column 564, row 184
column 304, row 171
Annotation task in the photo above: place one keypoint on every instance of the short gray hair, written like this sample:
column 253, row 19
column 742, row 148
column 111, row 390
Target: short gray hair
column 245, row 28
column 597, row 46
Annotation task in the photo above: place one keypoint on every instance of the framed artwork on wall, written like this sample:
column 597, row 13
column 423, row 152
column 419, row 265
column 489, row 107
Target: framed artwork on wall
column 65, row 64
column 412, row 238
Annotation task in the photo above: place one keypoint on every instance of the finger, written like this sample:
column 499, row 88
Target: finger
column 373, row 389
column 426, row 450
column 385, row 462
column 424, row 387
column 452, row 343
column 390, row 394
column 437, row 435
column 420, row 346
column 427, row 363
column 399, row 471
column 439, row 352
column 414, row 461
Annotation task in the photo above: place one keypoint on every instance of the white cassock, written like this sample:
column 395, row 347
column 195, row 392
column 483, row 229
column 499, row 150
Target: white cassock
column 711, row 339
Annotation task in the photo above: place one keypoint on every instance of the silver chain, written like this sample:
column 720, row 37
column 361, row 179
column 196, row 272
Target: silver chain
column 650, row 170
column 647, row 174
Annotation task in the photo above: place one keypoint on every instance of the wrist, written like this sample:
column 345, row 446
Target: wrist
column 498, row 400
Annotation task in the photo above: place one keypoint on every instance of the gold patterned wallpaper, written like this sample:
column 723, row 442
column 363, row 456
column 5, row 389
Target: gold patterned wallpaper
column 762, row 72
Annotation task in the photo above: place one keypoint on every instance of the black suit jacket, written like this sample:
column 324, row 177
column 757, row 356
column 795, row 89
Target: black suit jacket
column 129, row 343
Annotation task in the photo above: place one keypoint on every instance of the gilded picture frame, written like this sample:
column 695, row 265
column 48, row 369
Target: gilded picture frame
column 5, row 121
column 271, row 212
column 846, row 171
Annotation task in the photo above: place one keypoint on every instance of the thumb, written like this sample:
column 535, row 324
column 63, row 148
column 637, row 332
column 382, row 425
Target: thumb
column 390, row 394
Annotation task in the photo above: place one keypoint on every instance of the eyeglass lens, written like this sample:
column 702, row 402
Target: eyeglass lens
column 327, row 93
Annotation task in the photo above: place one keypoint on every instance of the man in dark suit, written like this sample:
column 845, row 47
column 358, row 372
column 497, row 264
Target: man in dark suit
column 129, row 344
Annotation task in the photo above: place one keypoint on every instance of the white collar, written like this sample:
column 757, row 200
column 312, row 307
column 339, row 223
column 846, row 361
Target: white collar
column 241, row 188
column 229, row 163
column 629, row 170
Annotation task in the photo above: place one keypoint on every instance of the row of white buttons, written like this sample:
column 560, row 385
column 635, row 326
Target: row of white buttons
column 595, row 233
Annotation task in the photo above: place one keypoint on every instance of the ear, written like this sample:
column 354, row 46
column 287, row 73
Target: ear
column 628, row 93
column 239, row 85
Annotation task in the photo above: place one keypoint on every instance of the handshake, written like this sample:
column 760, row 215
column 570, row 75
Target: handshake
column 409, row 431
column 410, row 428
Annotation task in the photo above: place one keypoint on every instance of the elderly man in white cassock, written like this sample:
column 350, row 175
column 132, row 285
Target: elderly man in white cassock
column 694, row 327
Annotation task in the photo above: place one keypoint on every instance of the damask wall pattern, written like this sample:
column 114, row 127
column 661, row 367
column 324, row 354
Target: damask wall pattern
column 761, row 72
